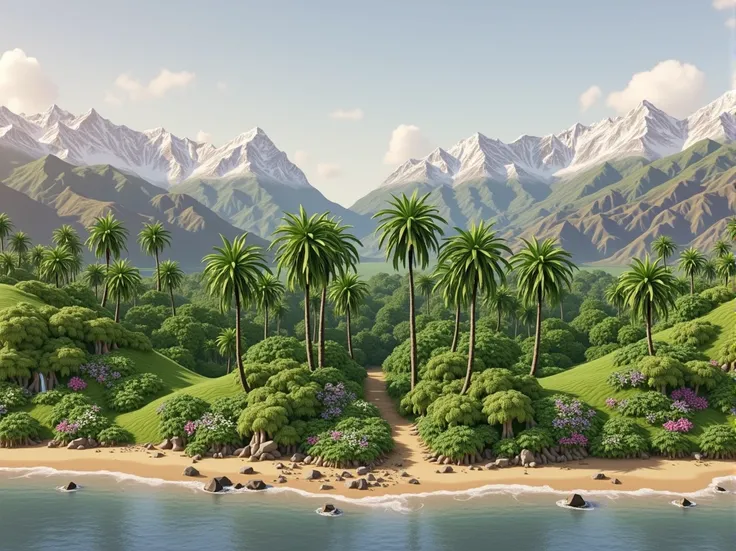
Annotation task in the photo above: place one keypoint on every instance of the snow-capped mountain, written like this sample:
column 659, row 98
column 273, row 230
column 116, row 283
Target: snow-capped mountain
column 643, row 132
column 155, row 155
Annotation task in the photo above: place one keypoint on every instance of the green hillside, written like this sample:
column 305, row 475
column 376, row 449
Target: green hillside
column 9, row 296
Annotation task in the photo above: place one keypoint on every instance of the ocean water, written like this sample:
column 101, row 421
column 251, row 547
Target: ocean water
column 118, row 512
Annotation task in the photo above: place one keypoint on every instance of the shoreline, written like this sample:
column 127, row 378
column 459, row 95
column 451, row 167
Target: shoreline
column 652, row 475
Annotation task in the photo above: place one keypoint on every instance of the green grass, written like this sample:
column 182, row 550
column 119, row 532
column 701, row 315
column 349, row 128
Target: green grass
column 10, row 296
column 588, row 381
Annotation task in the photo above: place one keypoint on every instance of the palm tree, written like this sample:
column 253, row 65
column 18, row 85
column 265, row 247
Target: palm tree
column 425, row 286
column 270, row 291
column 232, row 272
column 409, row 229
column 94, row 276
column 650, row 291
column 20, row 242
column 67, row 236
column 279, row 310
column 710, row 270
column 107, row 237
column 170, row 277
column 664, row 247
column 6, row 226
column 502, row 301
column 474, row 258
column 544, row 270
column 225, row 343
column 691, row 262
column 57, row 263
column 614, row 296
column 526, row 315
column 122, row 279
column 305, row 249
column 721, row 248
column 347, row 293
column 452, row 295
column 7, row 263
column 36, row 256
column 731, row 229
column 153, row 238
column 726, row 266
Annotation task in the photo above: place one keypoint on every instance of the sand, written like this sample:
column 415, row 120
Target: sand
column 681, row 476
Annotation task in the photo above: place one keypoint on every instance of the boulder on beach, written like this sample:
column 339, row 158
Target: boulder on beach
column 70, row 486
column 413, row 481
column 177, row 444
column 191, row 471
column 281, row 479
column 599, row 476
column 362, row 484
column 684, row 502
column 255, row 485
column 447, row 469
column 324, row 487
column 238, row 486
column 166, row 444
column 298, row 457
column 213, row 486
column 247, row 470
column 224, row 481
column 526, row 457
column 346, row 474
column 362, row 471
column 616, row 481
column 575, row 500
column 313, row 474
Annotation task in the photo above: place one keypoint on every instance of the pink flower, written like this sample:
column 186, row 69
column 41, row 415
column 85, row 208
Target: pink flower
column 681, row 425
column 76, row 384
column 190, row 427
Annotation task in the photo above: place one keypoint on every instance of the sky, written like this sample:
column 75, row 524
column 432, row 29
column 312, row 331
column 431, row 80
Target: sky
column 351, row 89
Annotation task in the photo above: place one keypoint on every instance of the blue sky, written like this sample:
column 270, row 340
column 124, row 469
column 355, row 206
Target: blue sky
column 443, row 70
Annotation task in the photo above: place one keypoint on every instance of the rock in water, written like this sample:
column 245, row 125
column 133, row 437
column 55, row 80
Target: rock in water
column 575, row 500
column 70, row 486
column 213, row 486
column 599, row 476
column 191, row 471
column 256, row 485
column 684, row 502
column 328, row 508
column 313, row 475
column 720, row 489
column 238, row 486
column 224, row 481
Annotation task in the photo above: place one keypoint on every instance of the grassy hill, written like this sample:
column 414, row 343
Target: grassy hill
column 9, row 296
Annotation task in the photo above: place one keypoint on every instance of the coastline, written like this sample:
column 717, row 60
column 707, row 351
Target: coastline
column 658, row 475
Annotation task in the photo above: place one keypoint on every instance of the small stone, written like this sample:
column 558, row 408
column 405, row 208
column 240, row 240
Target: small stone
column 720, row 489
column 224, row 481
column 247, row 470
column 157, row 455
column 297, row 457
column 53, row 444
column 684, row 502
column 70, row 486
column 197, row 458
column 280, row 466
column 255, row 485
column 191, row 471
column 371, row 477
column 281, row 479
column 338, row 478
column 254, row 459
column 238, row 486
column 575, row 500
column 324, row 487
column 697, row 457
column 533, row 465
column 166, row 444
column 616, row 481
column 266, row 457
column 599, row 476
column 526, row 457
column 447, row 469
column 490, row 466
column 346, row 474
column 404, row 474
column 351, row 484
column 307, row 459
column 413, row 481
column 149, row 446
column 362, row 484
column 502, row 462
column 313, row 474
column 362, row 471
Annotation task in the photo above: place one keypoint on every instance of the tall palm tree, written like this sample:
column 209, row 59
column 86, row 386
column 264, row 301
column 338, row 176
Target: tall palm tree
column 692, row 262
column 6, row 226
column 475, row 259
column 409, row 229
column 347, row 293
column 452, row 296
column 225, row 343
column 279, row 310
column 107, row 237
column 664, row 247
column 710, row 270
column 7, row 263
column 153, row 238
column 270, row 291
column 67, row 236
column 232, row 273
column 170, row 276
column 122, row 279
column 650, row 291
column 36, row 257
column 305, row 248
column 425, row 286
column 20, row 243
column 57, row 263
column 614, row 296
column 544, row 269
column 726, row 266
column 721, row 248
column 94, row 276
column 502, row 301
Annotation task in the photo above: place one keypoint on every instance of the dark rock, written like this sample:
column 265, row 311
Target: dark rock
column 362, row 471
column 328, row 508
column 224, row 481
column 413, row 481
column 280, row 466
column 247, row 470
column 298, row 457
column 191, row 471
column 599, row 476
column 362, row 484
column 346, row 474
column 244, row 453
column 166, row 444
column 616, row 481
column 177, row 444
column 157, row 455
column 371, row 477
column 326, row 487
column 255, row 485
column 501, row 462
column 70, row 486
column 267, row 447
column 313, row 474
column 684, row 502
column 575, row 500
column 281, row 479
column 404, row 474
column 213, row 486
column 238, row 486
column 720, row 489
column 266, row 457
column 197, row 458
column 53, row 444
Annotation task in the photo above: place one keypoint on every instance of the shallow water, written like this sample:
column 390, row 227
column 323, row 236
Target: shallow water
column 124, row 513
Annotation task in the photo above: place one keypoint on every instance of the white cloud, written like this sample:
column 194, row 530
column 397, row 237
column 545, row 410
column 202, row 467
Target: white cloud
column 24, row 87
column 675, row 87
column 347, row 114
column 724, row 4
column 157, row 87
column 328, row 170
column 590, row 97
column 300, row 156
column 222, row 86
column 407, row 141
column 203, row 136
column 731, row 22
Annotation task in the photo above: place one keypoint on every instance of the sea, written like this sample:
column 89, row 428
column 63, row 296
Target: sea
column 118, row 512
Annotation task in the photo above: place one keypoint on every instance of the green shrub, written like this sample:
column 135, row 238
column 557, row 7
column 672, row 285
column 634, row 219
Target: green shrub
column 85, row 421
column 353, row 439
column 276, row 348
column 718, row 295
column 133, row 392
column 689, row 307
column 605, row 332
column 213, row 430
column 508, row 448
column 548, row 372
column 723, row 397
column 13, row 396
column 448, row 367
column 629, row 334
column 620, row 438
column 360, row 409
column 529, row 386
column 695, row 333
column 229, row 407
column 428, row 430
column 398, row 384
column 645, row 403
column 18, row 429
column 50, row 397
column 489, row 382
column 718, row 442
column 47, row 293
column 662, row 372
column 671, row 444
column 634, row 352
column 117, row 362
column 455, row 409
column 701, row 374
column 463, row 442
column 180, row 355
column 114, row 436
column 174, row 413
column 63, row 408
column 416, row 401
column 535, row 439
column 587, row 319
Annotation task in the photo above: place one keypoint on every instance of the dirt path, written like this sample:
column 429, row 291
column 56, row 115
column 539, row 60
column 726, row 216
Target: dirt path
column 408, row 449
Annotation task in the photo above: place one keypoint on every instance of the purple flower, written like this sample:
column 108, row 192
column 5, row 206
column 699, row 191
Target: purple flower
column 691, row 400
column 611, row 403
column 190, row 427
column 312, row 440
column 575, row 439
column 76, row 384
column 681, row 425
column 336, row 435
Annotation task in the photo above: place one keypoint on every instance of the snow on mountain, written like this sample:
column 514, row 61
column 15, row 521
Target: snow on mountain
column 645, row 132
column 155, row 155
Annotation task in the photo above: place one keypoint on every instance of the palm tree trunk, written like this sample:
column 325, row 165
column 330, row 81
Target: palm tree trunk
column 228, row 364
column 321, row 349
column 314, row 325
column 238, row 332
column 104, row 291
column 350, row 337
column 456, row 332
column 537, row 334
column 471, row 344
column 265, row 322
column 307, row 325
column 516, row 326
column 692, row 283
column 498, row 322
column 158, row 274
column 97, row 295
column 562, row 311
column 648, row 323
column 57, row 280
column 117, row 308
column 412, row 321
column 173, row 306
column 428, row 304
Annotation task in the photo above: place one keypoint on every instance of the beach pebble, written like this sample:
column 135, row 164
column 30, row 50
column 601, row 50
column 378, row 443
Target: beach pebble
column 157, row 455
column 255, row 485
column 281, row 479
column 501, row 462
column 267, row 447
column 575, row 500
column 166, row 444
column 413, row 481
column 324, row 487
column 404, row 474
column 148, row 446
column 313, row 474
column 197, row 458
column 697, row 457
column 74, row 444
column 307, row 459
column 346, row 474
column 247, row 470
column 446, row 470
column 297, row 457
column 280, row 466
column 190, row 471
column 599, row 476
column 370, row 477
column 362, row 471
column 615, row 481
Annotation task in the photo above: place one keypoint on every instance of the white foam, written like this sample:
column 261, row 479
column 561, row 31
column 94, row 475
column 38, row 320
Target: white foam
column 335, row 513
column 563, row 503
column 681, row 506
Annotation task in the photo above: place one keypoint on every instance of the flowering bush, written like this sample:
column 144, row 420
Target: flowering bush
column 620, row 438
column 634, row 352
column 210, row 430
column 351, row 439
column 681, row 425
column 631, row 378
column 64, row 407
column 571, row 422
column 100, row 372
column 84, row 421
column 13, row 396
column 176, row 412
column 333, row 399
column 76, row 384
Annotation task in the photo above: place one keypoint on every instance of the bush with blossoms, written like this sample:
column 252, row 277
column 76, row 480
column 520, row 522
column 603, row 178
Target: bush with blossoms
column 175, row 414
column 632, row 378
column 352, row 439
column 13, row 396
column 209, row 431
column 84, row 421
column 571, row 421
column 76, row 384
column 334, row 399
